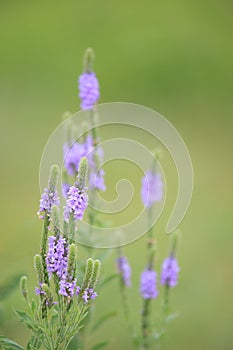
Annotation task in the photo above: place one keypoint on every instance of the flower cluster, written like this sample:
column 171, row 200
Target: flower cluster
column 148, row 287
column 124, row 269
column 96, row 180
column 48, row 199
column 88, row 90
column 74, row 153
column 152, row 188
column 56, row 259
column 76, row 203
column 88, row 294
column 170, row 271
column 72, row 157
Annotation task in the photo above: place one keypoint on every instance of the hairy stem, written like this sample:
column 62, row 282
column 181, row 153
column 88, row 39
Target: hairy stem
column 146, row 307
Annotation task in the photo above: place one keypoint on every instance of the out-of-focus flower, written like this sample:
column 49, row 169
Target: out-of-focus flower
column 96, row 180
column 88, row 90
column 152, row 188
column 124, row 269
column 170, row 271
column 148, row 287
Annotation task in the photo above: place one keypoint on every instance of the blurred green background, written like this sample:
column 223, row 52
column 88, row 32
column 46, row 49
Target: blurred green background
column 173, row 56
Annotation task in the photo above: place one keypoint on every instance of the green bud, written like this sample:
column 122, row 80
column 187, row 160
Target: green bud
column 72, row 258
column 88, row 60
column 65, row 229
column 82, row 173
column 38, row 264
column 49, row 295
column 66, row 115
column 55, row 220
column 53, row 178
column 71, row 228
column 158, row 153
column 95, row 275
column 47, row 290
column 87, row 279
column 23, row 286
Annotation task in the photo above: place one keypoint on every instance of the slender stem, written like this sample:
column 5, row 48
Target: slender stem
column 71, row 228
column 146, row 308
column 93, row 128
column 44, row 247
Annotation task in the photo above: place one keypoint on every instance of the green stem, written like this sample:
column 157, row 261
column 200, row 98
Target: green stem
column 44, row 247
column 146, row 307
column 93, row 128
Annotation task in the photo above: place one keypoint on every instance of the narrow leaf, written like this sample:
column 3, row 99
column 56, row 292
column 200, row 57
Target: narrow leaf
column 108, row 279
column 100, row 345
column 6, row 343
column 103, row 319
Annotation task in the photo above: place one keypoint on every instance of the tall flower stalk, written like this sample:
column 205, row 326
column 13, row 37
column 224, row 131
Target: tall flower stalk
column 151, row 192
column 64, row 297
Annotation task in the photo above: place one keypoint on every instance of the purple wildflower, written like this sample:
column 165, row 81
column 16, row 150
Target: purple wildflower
column 65, row 189
column 78, row 290
column 96, row 180
column 124, row 269
column 48, row 199
column 152, row 188
column 74, row 153
column 39, row 291
column 72, row 156
column 88, row 90
column 170, row 270
column 56, row 259
column 77, row 201
column 89, row 294
column 148, row 284
column 67, row 288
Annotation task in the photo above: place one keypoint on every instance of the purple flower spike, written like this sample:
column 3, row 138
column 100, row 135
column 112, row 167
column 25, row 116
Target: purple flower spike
column 48, row 199
column 170, row 271
column 148, row 284
column 56, row 259
column 124, row 269
column 72, row 156
column 152, row 189
column 67, row 288
column 88, row 90
column 96, row 180
column 77, row 201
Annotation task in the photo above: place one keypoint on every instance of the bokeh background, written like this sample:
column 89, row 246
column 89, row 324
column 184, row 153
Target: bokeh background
column 173, row 56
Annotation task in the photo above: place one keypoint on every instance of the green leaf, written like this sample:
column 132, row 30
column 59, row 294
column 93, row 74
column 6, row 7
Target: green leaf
column 100, row 345
column 9, row 286
column 6, row 343
column 106, row 253
column 171, row 317
column 108, row 279
column 33, row 307
column 24, row 318
column 103, row 319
